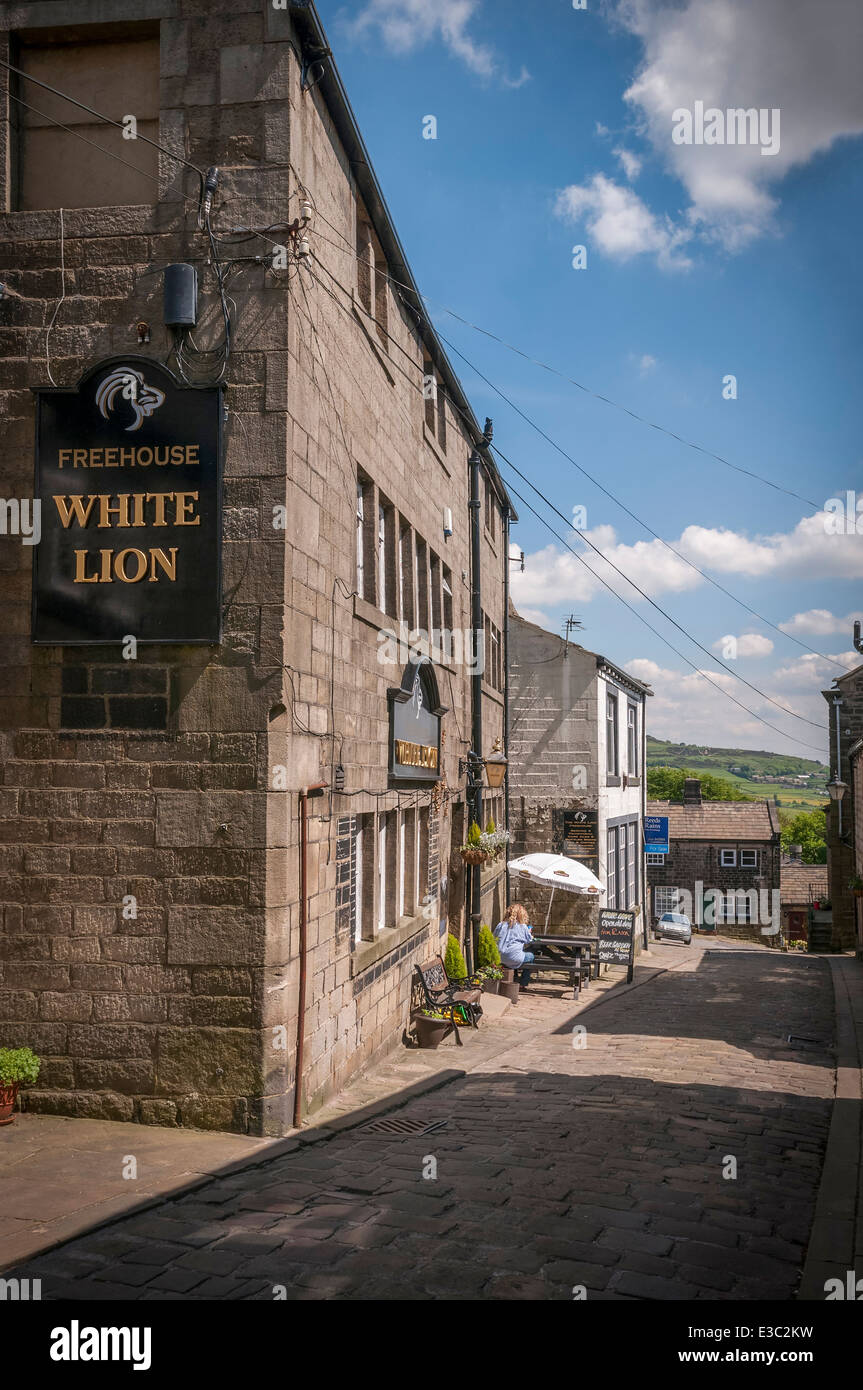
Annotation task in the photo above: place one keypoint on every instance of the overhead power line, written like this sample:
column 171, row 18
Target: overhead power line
column 710, row 655
column 588, row 391
column 674, row 551
column 668, row 617
column 702, row 674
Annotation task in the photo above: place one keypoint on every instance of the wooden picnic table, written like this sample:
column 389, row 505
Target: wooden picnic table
column 566, row 953
column 556, row 947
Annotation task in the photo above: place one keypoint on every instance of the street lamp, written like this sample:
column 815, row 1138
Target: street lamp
column 495, row 766
column 836, row 788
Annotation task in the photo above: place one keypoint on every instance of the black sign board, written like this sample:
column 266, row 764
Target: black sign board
column 415, row 716
column 576, row 834
column 128, row 478
column 616, row 937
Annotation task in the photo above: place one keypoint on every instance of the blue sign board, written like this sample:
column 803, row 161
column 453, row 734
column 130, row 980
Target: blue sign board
column 656, row 834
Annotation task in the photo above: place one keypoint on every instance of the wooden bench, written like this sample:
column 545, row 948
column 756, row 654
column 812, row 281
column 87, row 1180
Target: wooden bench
column 457, row 1000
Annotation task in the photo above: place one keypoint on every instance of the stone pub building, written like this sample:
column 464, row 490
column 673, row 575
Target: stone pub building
column 243, row 663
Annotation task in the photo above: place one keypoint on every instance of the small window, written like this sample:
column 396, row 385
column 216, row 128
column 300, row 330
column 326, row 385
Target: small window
column 664, row 899
column 611, row 869
column 749, row 859
column 447, row 599
column 365, row 540
column 429, row 393
column 435, row 591
column 406, row 575
column 728, row 858
column 364, row 262
column 421, row 586
column 490, row 509
column 612, row 764
column 655, row 858
column 441, row 415
column 362, row 877
column 632, row 740
column 631, row 881
column 381, row 300
column 386, row 558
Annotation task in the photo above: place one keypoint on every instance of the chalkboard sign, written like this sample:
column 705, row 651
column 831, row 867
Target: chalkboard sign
column 576, row 834
column 616, row 930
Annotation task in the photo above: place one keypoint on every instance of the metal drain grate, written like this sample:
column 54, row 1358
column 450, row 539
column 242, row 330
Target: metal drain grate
column 401, row 1125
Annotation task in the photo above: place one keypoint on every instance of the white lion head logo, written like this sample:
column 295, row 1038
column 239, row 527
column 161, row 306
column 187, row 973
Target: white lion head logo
column 130, row 385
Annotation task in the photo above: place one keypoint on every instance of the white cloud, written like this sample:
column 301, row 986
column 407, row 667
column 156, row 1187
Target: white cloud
column 799, row 57
column 536, row 615
column 748, row 644
column 820, row 622
column 808, row 670
column 686, row 708
column 807, row 549
column 630, row 163
column 646, row 363
column 406, row 25
column 620, row 224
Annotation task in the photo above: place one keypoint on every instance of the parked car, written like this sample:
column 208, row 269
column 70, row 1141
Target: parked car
column 673, row 926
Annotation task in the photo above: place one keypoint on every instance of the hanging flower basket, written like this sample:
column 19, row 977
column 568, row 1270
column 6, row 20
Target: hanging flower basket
column 473, row 855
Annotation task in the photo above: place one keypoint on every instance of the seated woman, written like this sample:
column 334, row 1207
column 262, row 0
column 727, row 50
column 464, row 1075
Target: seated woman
column 512, row 935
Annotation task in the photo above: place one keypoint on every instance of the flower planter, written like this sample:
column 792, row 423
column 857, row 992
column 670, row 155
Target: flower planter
column 431, row 1031
column 490, row 986
column 8, row 1096
column 509, row 989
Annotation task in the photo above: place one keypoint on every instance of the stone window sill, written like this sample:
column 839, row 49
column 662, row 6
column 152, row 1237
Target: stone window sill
column 383, row 622
column 612, row 781
column 366, row 953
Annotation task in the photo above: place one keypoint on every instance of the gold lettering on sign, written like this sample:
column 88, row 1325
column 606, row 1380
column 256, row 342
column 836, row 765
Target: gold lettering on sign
column 415, row 754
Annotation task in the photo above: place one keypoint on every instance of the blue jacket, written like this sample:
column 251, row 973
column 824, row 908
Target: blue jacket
column 511, row 941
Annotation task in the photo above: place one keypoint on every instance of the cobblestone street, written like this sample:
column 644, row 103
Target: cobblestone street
column 557, row 1165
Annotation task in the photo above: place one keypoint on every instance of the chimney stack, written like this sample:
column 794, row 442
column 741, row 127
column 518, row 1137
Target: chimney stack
column 692, row 792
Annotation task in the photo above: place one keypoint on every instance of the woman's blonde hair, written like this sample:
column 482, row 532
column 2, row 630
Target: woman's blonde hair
column 516, row 913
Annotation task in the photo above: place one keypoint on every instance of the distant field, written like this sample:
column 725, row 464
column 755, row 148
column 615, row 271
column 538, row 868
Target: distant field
column 661, row 753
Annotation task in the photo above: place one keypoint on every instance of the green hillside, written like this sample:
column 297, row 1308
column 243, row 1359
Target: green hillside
column 756, row 773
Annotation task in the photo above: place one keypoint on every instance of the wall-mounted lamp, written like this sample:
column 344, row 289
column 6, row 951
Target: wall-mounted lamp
column 495, row 768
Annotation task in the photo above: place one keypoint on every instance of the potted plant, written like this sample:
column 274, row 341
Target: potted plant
column 488, row 955
column 18, row 1067
column 472, row 851
column 856, row 886
column 431, row 1026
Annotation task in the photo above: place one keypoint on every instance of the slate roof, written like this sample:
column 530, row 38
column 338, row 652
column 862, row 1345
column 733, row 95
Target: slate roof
column 795, row 880
column 718, row 820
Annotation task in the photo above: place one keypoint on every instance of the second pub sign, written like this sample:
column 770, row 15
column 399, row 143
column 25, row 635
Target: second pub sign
column 128, row 478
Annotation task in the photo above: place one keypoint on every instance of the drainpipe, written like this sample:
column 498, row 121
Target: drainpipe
column 476, row 692
column 645, row 890
column 305, row 793
column 837, row 705
column 506, row 688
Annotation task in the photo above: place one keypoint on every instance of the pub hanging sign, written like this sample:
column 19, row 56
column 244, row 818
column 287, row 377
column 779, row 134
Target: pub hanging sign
column 415, row 722
column 128, row 481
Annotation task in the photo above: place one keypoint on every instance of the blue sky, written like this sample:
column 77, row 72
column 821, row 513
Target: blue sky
column 554, row 130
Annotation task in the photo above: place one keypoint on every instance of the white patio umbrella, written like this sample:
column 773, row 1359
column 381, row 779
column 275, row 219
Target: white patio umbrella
column 556, row 871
